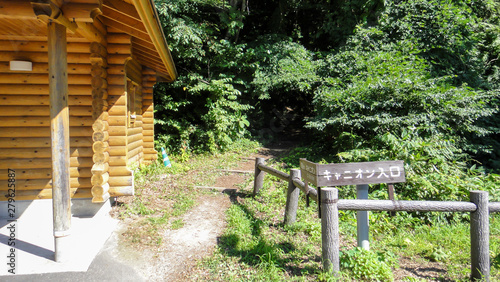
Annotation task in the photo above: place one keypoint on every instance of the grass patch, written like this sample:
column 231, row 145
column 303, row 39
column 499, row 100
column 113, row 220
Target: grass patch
column 164, row 194
column 257, row 246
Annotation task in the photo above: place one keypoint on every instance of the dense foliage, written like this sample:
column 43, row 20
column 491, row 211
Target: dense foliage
column 369, row 79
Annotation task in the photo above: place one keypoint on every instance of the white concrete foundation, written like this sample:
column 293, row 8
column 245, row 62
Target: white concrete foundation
column 28, row 238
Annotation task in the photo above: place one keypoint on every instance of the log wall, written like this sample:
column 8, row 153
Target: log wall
column 25, row 119
column 104, row 141
column 120, row 175
column 149, row 79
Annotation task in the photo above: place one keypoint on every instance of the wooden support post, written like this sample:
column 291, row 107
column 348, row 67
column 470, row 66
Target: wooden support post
column 479, row 237
column 292, row 198
column 59, row 128
column 259, row 176
column 363, row 219
column 390, row 191
column 330, row 229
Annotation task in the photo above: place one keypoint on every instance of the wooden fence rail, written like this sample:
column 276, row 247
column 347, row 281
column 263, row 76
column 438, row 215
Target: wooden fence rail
column 479, row 208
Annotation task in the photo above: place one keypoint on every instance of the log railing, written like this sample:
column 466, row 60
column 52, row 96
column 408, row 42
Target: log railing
column 479, row 208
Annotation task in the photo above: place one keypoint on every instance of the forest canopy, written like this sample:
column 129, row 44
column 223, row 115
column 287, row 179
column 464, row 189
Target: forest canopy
column 369, row 79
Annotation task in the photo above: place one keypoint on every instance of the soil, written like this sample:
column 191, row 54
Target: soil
column 183, row 248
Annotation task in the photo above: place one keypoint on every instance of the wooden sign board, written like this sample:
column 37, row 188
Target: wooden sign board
column 352, row 173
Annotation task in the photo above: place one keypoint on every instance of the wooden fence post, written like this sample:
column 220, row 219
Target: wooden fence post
column 330, row 229
column 292, row 198
column 259, row 176
column 479, row 237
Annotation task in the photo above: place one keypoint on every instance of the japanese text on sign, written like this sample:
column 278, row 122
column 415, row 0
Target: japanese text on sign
column 352, row 173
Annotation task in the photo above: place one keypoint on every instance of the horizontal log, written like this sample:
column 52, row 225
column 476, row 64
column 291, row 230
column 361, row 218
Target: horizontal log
column 147, row 102
column 117, row 120
column 121, row 191
column 117, row 100
column 80, row 162
column 121, row 181
column 42, row 111
column 37, row 46
column 32, row 184
column 46, row 173
column 274, row 172
column 117, row 141
column 37, row 100
column 119, row 38
column 313, row 193
column 494, row 207
column 82, row 193
column 42, row 57
column 41, row 89
column 135, row 159
column 117, row 150
column 119, row 171
column 134, row 145
column 43, row 68
column 147, row 113
column 23, row 9
column 150, row 157
column 132, row 153
column 116, row 80
column 134, row 138
column 135, row 131
column 43, row 132
column 28, row 153
column 15, row 78
column 149, row 151
column 117, row 59
column 116, row 69
column 148, row 83
column 124, row 49
column 148, row 120
column 117, row 161
column 117, row 131
column 80, row 111
column 410, row 206
column 32, row 194
column 148, row 127
column 148, row 132
column 148, row 138
column 47, row 194
column 115, row 110
column 37, row 142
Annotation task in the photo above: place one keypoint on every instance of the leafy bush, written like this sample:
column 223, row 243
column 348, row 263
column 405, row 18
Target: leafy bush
column 367, row 265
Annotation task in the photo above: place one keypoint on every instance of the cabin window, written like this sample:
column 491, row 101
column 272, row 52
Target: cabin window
column 131, row 91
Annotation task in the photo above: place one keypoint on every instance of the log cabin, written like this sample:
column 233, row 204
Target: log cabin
column 76, row 97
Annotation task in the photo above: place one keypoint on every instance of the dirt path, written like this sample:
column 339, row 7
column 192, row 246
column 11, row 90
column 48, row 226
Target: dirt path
column 181, row 250
column 184, row 247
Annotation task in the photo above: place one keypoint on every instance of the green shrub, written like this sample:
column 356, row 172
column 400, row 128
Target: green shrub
column 368, row 265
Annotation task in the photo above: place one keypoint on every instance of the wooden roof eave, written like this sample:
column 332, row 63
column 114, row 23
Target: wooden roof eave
column 147, row 12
